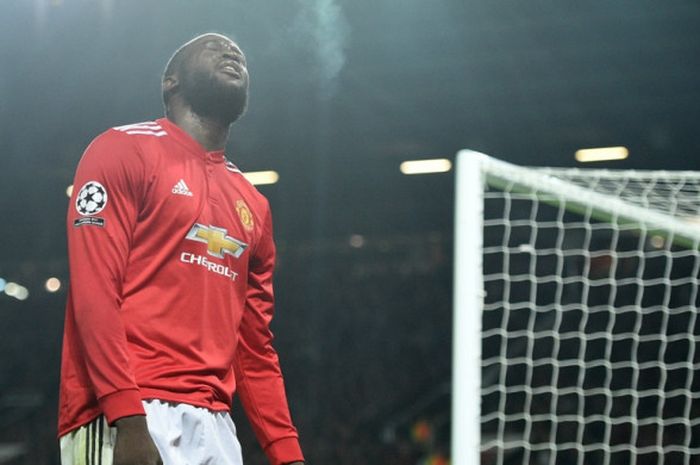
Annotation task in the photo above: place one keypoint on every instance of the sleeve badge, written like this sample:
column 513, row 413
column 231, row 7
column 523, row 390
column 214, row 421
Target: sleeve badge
column 91, row 199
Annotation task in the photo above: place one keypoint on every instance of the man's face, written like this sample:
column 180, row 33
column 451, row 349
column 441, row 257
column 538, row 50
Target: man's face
column 213, row 79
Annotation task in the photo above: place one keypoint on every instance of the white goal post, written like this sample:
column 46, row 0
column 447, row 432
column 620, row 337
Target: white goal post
column 575, row 302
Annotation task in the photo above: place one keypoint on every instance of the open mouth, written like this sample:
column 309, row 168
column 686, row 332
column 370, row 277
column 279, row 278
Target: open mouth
column 231, row 70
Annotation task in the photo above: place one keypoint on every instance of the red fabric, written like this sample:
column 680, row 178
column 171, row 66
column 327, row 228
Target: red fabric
column 156, row 311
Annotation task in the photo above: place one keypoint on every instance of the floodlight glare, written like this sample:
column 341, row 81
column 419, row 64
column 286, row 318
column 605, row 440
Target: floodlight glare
column 53, row 284
column 22, row 293
column 259, row 178
column 11, row 289
column 601, row 154
column 434, row 165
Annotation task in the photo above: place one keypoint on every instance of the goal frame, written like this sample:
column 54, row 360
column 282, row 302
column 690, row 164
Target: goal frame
column 473, row 172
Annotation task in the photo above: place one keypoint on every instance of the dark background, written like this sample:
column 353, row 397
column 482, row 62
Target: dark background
column 341, row 93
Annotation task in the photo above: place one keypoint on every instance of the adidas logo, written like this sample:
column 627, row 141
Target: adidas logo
column 181, row 188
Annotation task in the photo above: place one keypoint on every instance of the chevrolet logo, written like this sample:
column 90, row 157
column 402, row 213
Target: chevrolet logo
column 218, row 243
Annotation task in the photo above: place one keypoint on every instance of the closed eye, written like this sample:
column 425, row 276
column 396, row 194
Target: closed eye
column 229, row 50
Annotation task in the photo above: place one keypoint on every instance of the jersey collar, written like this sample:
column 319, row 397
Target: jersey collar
column 181, row 136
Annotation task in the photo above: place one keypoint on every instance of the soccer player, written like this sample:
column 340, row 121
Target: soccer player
column 171, row 260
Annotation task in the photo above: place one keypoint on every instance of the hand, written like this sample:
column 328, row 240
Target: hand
column 134, row 445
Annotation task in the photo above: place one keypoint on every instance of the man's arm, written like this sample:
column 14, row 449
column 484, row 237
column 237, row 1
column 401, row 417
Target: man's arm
column 258, row 376
column 101, row 218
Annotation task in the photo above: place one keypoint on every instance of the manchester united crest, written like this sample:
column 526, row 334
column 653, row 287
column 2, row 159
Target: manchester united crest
column 245, row 215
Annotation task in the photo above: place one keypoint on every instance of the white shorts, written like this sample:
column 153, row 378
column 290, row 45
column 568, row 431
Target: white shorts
column 183, row 434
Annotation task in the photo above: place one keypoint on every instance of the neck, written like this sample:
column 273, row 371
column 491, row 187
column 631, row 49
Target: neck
column 212, row 134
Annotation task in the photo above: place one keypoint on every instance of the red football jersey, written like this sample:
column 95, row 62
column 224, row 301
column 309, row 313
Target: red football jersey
column 171, row 260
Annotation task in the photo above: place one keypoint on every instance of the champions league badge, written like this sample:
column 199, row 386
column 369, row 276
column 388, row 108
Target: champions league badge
column 91, row 199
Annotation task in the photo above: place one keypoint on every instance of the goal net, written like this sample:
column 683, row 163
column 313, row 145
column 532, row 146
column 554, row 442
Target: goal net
column 576, row 295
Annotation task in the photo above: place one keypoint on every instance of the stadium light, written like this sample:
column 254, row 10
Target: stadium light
column 22, row 293
column 434, row 165
column 11, row 289
column 259, row 178
column 357, row 241
column 16, row 291
column 53, row 284
column 602, row 154
column 657, row 241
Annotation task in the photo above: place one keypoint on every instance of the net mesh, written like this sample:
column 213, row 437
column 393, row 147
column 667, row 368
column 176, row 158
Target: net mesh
column 589, row 326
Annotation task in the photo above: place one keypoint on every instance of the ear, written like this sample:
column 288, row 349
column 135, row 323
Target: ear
column 170, row 83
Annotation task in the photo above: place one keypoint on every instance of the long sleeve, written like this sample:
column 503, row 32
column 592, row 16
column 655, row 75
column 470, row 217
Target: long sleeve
column 103, row 211
column 258, row 376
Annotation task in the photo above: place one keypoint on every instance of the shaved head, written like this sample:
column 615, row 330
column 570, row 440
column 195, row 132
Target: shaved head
column 209, row 74
column 178, row 58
